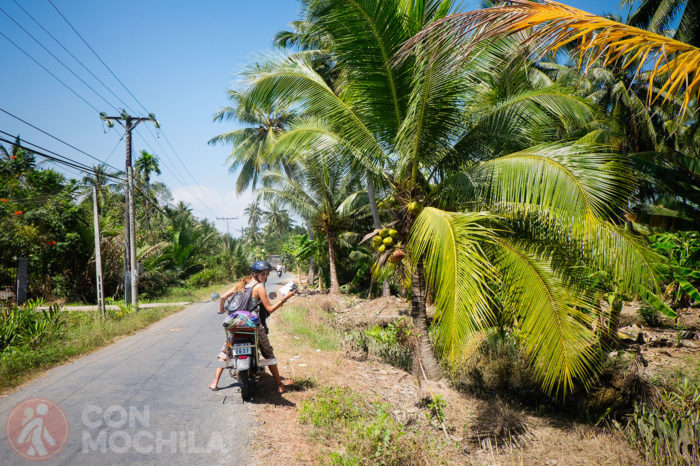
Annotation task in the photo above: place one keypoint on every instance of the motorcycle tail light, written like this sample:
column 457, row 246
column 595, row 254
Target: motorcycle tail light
column 242, row 357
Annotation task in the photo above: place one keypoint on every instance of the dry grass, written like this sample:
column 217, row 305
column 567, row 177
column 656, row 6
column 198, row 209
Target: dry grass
column 518, row 436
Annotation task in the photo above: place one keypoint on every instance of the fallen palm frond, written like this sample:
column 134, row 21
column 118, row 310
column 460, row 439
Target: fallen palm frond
column 552, row 25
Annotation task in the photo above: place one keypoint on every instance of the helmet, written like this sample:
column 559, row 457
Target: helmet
column 261, row 266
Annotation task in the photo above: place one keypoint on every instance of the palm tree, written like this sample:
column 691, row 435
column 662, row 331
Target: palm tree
column 255, row 214
column 277, row 219
column 325, row 193
column 659, row 16
column 466, row 138
column 552, row 25
column 146, row 164
column 263, row 124
column 100, row 178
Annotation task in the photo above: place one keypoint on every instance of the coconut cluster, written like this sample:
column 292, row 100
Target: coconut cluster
column 385, row 240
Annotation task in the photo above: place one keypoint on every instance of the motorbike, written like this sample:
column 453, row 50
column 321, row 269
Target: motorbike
column 279, row 273
column 243, row 359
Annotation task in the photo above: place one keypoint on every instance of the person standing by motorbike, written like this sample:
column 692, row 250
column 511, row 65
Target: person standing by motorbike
column 259, row 299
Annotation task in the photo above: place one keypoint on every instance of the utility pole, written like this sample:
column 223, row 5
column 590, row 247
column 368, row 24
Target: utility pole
column 98, row 255
column 228, row 234
column 129, row 123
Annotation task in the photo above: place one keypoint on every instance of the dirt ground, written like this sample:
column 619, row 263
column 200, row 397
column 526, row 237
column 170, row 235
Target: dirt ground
column 545, row 440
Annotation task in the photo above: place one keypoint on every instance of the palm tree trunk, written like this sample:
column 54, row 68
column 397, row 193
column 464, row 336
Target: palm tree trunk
column 335, row 286
column 424, row 351
column 377, row 224
column 312, row 264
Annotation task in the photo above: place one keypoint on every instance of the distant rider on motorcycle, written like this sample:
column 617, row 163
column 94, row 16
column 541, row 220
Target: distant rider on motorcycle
column 261, row 270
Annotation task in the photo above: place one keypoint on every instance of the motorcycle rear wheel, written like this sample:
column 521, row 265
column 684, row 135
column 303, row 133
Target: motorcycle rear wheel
column 247, row 385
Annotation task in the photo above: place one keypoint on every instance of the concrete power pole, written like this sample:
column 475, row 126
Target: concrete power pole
column 129, row 123
column 98, row 255
column 228, row 234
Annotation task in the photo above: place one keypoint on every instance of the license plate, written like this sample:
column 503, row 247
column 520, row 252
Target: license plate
column 238, row 350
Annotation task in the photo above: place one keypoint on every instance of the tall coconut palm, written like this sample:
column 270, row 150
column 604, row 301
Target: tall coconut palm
column 413, row 123
column 102, row 179
column 255, row 214
column 145, row 165
column 325, row 193
column 277, row 219
column 263, row 121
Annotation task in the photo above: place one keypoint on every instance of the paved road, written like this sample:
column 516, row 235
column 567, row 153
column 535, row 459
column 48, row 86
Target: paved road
column 143, row 400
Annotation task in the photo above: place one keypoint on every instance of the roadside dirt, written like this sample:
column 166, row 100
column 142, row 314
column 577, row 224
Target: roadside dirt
column 532, row 439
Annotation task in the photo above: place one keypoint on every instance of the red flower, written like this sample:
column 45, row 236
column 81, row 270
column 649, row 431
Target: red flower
column 3, row 200
column 13, row 157
column 18, row 212
column 53, row 242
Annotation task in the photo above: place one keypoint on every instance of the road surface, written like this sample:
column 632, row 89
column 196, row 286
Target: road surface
column 142, row 400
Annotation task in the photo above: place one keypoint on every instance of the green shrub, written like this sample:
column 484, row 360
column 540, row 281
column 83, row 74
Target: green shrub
column 390, row 343
column 649, row 315
column 203, row 278
column 24, row 326
column 366, row 433
column 668, row 433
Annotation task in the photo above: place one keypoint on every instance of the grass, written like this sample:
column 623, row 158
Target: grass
column 360, row 431
column 312, row 328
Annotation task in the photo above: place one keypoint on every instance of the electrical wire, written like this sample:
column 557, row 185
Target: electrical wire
column 73, row 56
column 62, row 141
column 48, row 71
column 98, row 57
column 196, row 184
column 58, row 60
column 56, row 157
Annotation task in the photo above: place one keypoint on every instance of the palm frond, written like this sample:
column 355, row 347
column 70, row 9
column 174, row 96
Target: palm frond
column 552, row 25
column 574, row 180
column 450, row 246
column 554, row 330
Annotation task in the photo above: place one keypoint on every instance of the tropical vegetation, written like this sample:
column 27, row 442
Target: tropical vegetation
column 518, row 154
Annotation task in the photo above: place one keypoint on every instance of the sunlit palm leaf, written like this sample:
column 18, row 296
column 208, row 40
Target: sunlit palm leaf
column 450, row 244
column 554, row 330
column 553, row 25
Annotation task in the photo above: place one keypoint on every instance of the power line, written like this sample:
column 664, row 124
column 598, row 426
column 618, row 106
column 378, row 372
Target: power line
column 56, row 157
column 47, row 70
column 73, row 56
column 196, row 184
column 115, row 148
column 98, row 57
column 62, row 141
column 58, row 59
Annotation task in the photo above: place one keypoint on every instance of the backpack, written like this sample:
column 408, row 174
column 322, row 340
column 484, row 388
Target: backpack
column 238, row 301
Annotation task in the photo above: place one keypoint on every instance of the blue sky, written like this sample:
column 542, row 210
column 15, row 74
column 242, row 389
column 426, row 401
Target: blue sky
column 177, row 57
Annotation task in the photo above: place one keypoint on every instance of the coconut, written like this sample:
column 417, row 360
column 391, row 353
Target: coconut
column 383, row 232
column 381, row 248
column 388, row 241
column 397, row 255
column 376, row 241
column 393, row 233
column 413, row 208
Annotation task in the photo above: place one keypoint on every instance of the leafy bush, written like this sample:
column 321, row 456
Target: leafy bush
column 367, row 432
column 668, row 433
column 391, row 343
column 649, row 314
column 24, row 326
column 682, row 248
